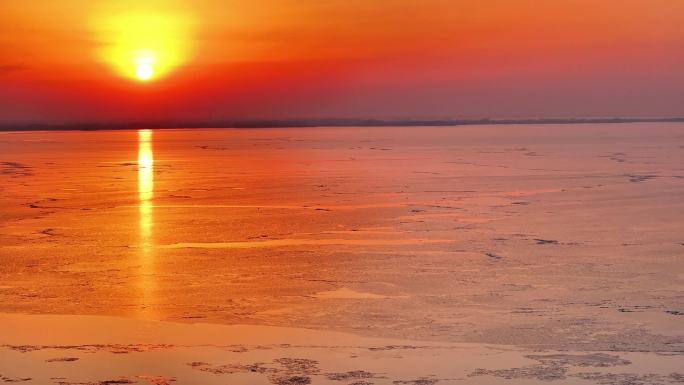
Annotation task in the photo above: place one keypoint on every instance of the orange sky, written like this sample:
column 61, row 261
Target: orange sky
column 67, row 60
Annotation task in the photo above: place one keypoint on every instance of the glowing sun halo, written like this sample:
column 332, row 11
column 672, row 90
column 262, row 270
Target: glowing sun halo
column 145, row 45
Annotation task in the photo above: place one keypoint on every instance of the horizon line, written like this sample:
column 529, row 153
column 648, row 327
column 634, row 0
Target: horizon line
column 327, row 122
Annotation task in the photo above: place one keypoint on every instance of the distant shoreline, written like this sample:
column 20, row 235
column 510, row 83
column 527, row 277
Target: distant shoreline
column 292, row 123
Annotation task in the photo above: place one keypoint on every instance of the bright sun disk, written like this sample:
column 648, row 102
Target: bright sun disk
column 144, row 71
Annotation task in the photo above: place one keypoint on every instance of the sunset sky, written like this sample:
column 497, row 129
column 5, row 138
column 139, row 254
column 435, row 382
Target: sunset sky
column 81, row 60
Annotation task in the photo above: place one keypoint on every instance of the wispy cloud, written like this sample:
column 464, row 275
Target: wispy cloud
column 7, row 69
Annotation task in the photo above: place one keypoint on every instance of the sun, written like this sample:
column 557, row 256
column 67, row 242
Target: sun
column 144, row 71
column 144, row 46
column 144, row 61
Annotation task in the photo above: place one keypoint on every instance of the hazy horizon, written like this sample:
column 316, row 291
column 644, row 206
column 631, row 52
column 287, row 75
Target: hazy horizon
column 323, row 122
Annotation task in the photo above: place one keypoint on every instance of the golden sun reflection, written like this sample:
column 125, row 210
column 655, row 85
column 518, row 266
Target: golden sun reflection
column 145, row 195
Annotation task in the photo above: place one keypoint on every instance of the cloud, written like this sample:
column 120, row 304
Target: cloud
column 7, row 69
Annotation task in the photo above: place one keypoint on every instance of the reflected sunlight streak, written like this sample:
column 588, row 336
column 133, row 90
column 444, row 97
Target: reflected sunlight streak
column 145, row 195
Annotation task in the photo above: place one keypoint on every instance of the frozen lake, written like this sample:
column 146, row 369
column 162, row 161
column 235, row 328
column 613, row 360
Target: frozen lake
column 532, row 239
